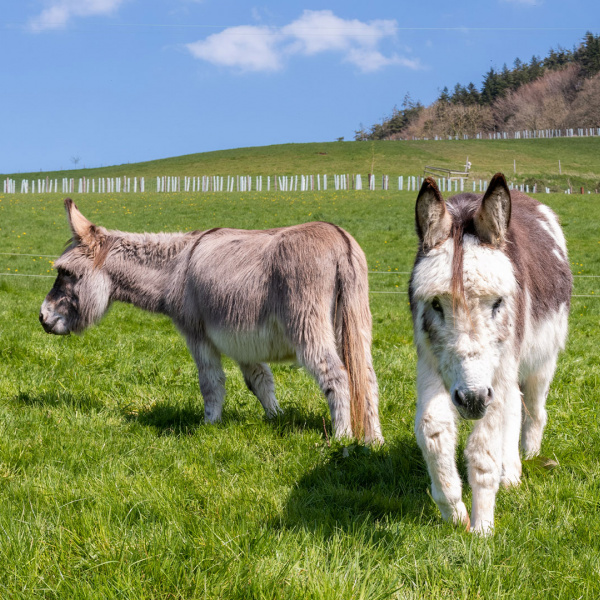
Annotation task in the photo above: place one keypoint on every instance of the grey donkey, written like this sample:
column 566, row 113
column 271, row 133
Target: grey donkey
column 291, row 294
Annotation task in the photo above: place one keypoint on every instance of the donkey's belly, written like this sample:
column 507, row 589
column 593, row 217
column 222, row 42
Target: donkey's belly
column 264, row 344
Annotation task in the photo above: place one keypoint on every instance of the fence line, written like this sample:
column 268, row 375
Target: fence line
column 524, row 134
column 370, row 272
column 370, row 291
column 248, row 183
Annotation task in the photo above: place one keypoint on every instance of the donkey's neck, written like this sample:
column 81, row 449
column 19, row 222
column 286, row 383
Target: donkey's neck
column 143, row 267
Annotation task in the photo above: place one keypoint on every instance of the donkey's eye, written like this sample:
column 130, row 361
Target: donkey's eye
column 496, row 306
column 436, row 305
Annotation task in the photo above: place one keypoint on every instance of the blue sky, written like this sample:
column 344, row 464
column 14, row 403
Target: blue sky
column 118, row 81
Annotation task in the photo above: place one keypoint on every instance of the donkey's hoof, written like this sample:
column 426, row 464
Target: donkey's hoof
column 375, row 441
column 274, row 412
column 483, row 528
column 461, row 516
column 212, row 419
column 511, row 474
column 510, row 480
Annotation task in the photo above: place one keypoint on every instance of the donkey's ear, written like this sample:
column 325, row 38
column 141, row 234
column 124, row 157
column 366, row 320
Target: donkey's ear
column 431, row 215
column 493, row 217
column 83, row 230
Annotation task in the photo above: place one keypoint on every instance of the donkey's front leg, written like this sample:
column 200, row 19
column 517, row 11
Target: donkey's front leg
column 511, row 429
column 259, row 379
column 435, row 428
column 484, row 456
column 210, row 376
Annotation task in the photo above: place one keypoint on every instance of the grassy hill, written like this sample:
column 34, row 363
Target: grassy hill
column 536, row 160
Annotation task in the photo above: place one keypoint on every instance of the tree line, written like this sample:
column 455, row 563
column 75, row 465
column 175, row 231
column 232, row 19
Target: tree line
column 565, row 85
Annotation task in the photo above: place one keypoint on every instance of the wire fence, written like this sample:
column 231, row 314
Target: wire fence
column 391, row 272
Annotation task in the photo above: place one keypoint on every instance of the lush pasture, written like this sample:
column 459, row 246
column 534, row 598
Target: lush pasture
column 111, row 486
column 530, row 158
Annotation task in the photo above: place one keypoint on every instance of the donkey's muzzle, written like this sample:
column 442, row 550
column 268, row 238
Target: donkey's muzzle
column 472, row 404
column 54, row 326
column 47, row 327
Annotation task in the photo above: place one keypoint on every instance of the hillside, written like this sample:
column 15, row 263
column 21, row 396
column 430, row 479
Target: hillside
column 536, row 161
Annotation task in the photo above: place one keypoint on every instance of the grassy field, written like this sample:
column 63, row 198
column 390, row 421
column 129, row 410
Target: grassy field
column 111, row 486
column 536, row 161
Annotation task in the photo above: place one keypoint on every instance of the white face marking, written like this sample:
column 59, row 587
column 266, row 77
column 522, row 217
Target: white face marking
column 551, row 226
column 466, row 344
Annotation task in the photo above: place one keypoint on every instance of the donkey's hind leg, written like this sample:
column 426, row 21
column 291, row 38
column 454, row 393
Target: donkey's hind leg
column 535, row 390
column 373, row 433
column 210, row 376
column 324, row 364
column 259, row 379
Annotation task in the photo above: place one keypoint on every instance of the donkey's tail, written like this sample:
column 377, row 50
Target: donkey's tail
column 353, row 333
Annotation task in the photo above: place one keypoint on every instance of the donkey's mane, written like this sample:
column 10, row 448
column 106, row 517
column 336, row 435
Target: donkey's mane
column 462, row 209
column 145, row 248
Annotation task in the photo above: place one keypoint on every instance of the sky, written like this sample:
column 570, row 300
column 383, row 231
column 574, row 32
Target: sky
column 91, row 83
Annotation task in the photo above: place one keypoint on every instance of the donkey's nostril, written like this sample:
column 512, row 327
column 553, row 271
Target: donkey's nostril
column 489, row 397
column 459, row 397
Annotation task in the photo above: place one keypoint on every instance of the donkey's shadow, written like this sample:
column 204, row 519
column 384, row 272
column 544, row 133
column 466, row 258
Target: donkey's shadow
column 356, row 484
column 173, row 419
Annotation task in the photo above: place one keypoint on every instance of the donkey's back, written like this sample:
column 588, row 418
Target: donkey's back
column 537, row 250
column 240, row 279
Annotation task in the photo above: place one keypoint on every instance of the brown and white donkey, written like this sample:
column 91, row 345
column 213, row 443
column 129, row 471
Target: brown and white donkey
column 490, row 294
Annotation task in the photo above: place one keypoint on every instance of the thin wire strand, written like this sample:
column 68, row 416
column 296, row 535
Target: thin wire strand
column 28, row 275
column 370, row 291
column 21, row 254
column 276, row 28
column 374, row 272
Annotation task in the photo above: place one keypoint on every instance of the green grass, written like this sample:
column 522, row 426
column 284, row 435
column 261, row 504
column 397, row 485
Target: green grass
column 111, row 486
column 536, row 161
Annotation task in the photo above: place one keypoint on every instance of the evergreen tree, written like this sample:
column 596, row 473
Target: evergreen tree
column 444, row 96
column 505, row 81
column 458, row 95
column 473, row 95
column 588, row 55
column 489, row 90
column 410, row 109
column 518, row 74
column 536, row 68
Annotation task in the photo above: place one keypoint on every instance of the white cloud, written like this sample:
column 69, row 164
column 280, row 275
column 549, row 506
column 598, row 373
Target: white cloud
column 259, row 48
column 59, row 12
column 247, row 47
column 320, row 30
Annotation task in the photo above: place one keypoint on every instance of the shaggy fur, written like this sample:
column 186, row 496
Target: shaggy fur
column 296, row 293
column 490, row 295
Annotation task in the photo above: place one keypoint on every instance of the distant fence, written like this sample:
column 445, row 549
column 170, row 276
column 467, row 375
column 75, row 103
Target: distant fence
column 525, row 134
column 247, row 183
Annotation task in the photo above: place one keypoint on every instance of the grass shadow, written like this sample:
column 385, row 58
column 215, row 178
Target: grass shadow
column 47, row 399
column 174, row 419
column 358, row 484
column 169, row 419
column 296, row 420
